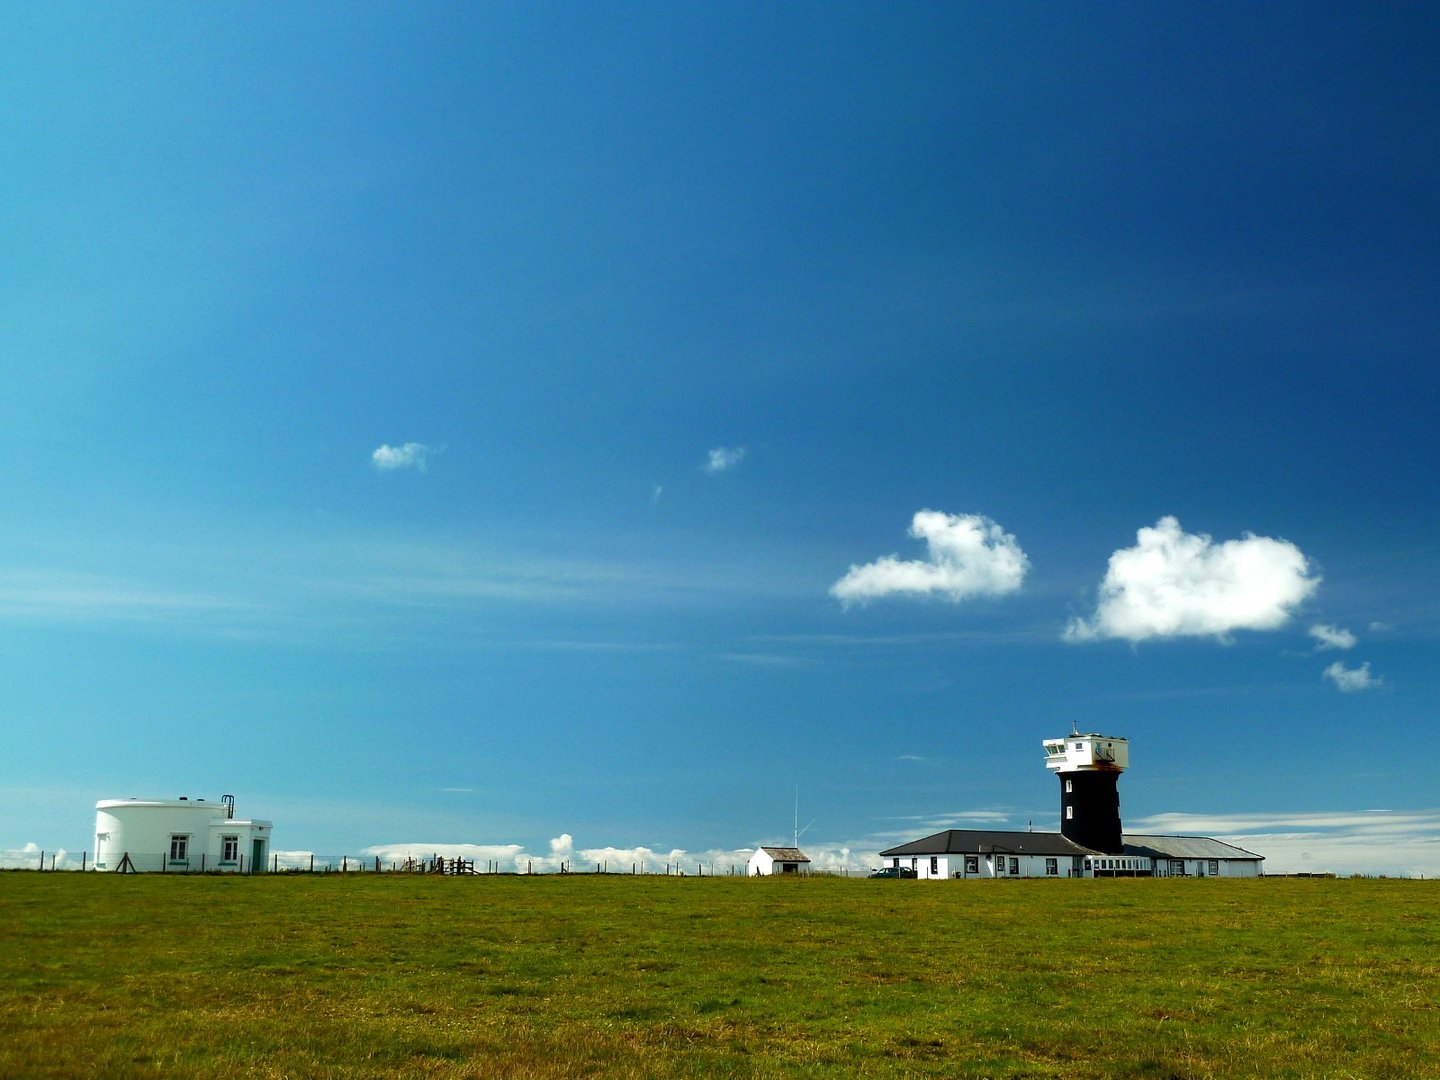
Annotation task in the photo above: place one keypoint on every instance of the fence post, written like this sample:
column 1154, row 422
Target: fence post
column 83, row 856
column 277, row 863
column 312, row 862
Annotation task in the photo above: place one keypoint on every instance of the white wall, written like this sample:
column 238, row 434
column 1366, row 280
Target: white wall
column 143, row 829
column 935, row 867
column 1230, row 868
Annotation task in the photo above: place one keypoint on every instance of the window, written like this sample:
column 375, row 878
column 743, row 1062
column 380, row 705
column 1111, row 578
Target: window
column 1214, row 867
column 999, row 865
column 229, row 848
column 1069, row 786
column 1069, row 813
column 1014, row 866
column 972, row 864
column 1079, row 746
column 1052, row 867
column 179, row 847
column 934, row 866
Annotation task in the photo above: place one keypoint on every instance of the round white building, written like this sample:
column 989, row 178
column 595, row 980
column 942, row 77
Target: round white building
column 178, row 836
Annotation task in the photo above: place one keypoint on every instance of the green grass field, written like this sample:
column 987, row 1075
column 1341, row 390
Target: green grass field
column 373, row 975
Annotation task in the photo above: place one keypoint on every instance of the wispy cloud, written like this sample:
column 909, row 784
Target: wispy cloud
column 769, row 660
column 1352, row 680
column 967, row 555
column 58, row 595
column 722, row 459
column 410, row 455
column 1332, row 637
column 1178, row 584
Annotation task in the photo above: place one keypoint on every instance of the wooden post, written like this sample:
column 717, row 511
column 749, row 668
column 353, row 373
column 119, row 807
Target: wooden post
column 83, row 856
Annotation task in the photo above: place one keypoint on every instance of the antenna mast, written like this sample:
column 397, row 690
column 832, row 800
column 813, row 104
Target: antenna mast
column 799, row 830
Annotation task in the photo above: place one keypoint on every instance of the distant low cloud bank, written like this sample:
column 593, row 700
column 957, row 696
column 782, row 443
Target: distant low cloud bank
column 563, row 854
column 1178, row 584
column 410, row 455
column 966, row 555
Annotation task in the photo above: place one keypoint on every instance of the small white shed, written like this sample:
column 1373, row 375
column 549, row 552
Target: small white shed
column 178, row 836
column 777, row 860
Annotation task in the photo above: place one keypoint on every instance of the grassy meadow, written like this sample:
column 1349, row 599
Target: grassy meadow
column 375, row 975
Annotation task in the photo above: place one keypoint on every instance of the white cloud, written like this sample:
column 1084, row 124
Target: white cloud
column 1176, row 584
column 1351, row 680
column 721, row 458
column 968, row 555
column 410, row 455
column 1332, row 637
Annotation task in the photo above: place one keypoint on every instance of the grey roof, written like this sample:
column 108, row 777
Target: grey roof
column 1184, row 847
column 984, row 841
column 785, row 854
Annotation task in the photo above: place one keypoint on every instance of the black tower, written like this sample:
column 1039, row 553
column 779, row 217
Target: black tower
column 1089, row 768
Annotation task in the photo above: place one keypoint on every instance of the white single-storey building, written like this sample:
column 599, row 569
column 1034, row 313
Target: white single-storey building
column 977, row 853
column 178, row 836
column 777, row 860
column 973, row 853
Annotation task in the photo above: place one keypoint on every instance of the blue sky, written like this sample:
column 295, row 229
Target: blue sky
column 453, row 425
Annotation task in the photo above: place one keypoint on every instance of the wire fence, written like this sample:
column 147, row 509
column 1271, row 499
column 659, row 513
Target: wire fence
column 304, row 862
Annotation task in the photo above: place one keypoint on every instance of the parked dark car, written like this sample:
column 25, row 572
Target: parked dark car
column 893, row 872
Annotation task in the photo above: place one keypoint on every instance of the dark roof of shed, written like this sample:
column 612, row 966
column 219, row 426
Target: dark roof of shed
column 785, row 854
column 984, row 841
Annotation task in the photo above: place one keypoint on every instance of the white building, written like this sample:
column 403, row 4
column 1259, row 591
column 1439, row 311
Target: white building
column 777, row 860
column 972, row 853
column 1090, row 842
column 178, row 836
